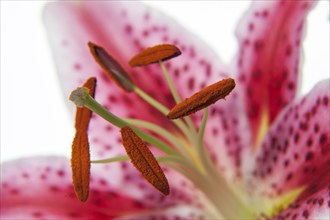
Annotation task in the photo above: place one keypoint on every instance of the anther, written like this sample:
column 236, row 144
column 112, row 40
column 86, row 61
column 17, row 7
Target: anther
column 154, row 55
column 202, row 99
column 80, row 164
column 80, row 157
column 112, row 67
column 144, row 161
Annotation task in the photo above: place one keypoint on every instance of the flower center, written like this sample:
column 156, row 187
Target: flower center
column 184, row 152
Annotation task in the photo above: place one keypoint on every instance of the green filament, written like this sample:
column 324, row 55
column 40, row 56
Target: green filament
column 111, row 160
column 175, row 94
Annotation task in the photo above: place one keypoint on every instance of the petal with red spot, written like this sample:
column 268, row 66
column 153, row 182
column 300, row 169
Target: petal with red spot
column 295, row 153
column 270, row 36
column 315, row 206
column 50, row 193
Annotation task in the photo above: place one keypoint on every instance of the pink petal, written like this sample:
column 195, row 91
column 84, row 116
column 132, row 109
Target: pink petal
column 295, row 152
column 315, row 206
column 41, row 188
column 226, row 136
column 270, row 37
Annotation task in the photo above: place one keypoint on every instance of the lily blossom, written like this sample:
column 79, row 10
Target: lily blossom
column 265, row 150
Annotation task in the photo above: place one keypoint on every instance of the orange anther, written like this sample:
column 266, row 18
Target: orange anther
column 155, row 54
column 144, row 160
column 202, row 99
column 80, row 164
column 111, row 67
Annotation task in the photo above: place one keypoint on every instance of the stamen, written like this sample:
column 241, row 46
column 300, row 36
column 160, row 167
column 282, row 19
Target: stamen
column 111, row 67
column 202, row 99
column 118, row 74
column 155, row 54
column 80, row 164
column 144, row 160
column 80, row 157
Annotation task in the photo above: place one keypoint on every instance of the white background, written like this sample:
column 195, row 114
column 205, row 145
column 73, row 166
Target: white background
column 34, row 118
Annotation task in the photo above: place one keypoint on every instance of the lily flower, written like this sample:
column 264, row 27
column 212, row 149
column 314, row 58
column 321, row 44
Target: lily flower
column 263, row 152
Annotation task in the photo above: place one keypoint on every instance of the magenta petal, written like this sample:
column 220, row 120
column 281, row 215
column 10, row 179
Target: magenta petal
column 41, row 188
column 270, row 37
column 226, row 135
column 296, row 152
column 315, row 206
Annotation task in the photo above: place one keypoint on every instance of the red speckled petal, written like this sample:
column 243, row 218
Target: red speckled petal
column 41, row 188
column 226, row 136
column 296, row 151
column 270, row 37
column 315, row 206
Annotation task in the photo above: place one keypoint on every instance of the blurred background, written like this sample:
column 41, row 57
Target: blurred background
column 34, row 118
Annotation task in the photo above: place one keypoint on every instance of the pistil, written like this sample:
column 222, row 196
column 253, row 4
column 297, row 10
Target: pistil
column 80, row 157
